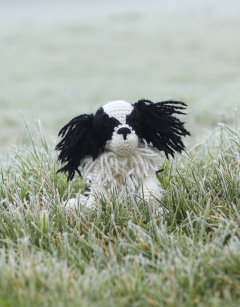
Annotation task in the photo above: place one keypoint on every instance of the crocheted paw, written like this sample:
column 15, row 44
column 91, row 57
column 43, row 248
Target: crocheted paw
column 79, row 201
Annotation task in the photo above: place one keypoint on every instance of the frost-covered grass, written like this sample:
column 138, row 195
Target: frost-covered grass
column 118, row 255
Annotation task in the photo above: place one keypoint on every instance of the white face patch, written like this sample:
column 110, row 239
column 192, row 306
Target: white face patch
column 120, row 145
column 118, row 109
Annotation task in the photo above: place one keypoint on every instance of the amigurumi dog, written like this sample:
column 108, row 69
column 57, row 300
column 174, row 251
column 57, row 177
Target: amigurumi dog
column 119, row 147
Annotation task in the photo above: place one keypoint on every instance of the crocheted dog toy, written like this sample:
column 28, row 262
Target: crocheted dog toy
column 119, row 147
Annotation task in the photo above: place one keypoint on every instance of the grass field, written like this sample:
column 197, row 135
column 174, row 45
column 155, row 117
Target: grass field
column 121, row 255
column 58, row 62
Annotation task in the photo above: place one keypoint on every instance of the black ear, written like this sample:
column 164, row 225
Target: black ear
column 78, row 141
column 154, row 123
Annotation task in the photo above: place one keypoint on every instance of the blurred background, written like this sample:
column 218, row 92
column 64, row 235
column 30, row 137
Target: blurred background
column 59, row 59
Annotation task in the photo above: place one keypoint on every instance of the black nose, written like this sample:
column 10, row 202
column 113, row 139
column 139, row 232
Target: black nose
column 124, row 131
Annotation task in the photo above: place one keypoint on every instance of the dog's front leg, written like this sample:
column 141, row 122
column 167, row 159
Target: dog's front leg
column 151, row 189
column 97, row 189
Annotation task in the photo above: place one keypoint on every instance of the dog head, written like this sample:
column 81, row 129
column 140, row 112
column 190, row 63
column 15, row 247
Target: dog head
column 121, row 127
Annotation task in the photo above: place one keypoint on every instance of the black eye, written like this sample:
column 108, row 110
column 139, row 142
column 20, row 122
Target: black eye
column 103, row 126
column 136, row 122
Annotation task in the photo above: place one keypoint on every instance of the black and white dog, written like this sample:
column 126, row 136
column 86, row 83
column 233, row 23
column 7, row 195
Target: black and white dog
column 119, row 147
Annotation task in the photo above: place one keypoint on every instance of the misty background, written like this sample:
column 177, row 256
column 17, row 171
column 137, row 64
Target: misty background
column 59, row 59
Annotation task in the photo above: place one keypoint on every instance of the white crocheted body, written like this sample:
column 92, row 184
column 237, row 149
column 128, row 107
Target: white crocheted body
column 119, row 147
column 128, row 165
column 133, row 175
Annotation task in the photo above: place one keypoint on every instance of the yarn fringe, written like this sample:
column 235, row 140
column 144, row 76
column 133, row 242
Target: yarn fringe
column 116, row 171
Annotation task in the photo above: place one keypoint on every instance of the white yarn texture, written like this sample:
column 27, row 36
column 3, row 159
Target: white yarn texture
column 132, row 175
column 118, row 109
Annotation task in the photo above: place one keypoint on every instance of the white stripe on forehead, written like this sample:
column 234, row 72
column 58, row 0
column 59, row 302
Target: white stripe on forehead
column 118, row 109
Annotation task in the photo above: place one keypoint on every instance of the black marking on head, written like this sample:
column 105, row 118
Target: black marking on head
column 154, row 123
column 103, row 126
column 78, row 141
column 84, row 135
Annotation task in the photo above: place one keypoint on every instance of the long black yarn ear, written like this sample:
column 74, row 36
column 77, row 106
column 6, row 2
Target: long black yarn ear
column 78, row 141
column 155, row 123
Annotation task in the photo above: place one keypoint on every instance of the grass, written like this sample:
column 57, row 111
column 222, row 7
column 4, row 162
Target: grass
column 120, row 255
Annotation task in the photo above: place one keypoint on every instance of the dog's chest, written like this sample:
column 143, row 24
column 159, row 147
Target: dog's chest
column 114, row 171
